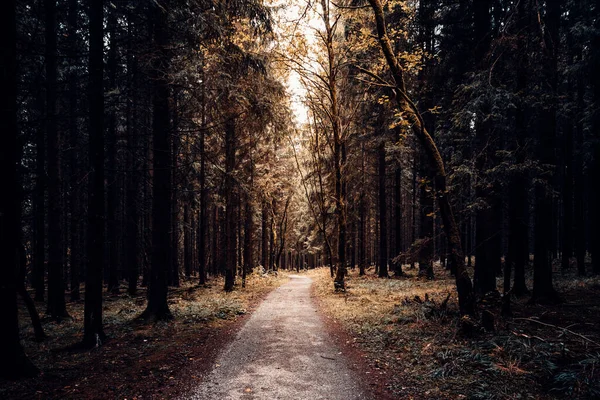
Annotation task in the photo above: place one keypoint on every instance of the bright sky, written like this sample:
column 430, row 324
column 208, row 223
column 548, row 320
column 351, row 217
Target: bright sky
column 297, row 16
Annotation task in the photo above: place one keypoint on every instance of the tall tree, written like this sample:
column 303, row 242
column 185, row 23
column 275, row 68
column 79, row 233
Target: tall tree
column 485, row 230
column 93, row 332
column 157, row 307
column 13, row 361
column 112, row 176
column 518, row 237
column 595, row 193
column 74, row 167
column 406, row 105
column 382, row 202
column 56, row 289
column 133, row 175
column 203, row 218
column 231, row 203
column 546, row 140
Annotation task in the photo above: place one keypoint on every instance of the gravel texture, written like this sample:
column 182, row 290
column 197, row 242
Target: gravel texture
column 283, row 352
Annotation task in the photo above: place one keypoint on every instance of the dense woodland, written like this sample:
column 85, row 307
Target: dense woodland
column 147, row 144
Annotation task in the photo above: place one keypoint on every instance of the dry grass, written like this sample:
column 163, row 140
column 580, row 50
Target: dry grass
column 420, row 352
column 139, row 359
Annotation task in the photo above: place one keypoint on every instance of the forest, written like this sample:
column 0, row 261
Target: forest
column 422, row 173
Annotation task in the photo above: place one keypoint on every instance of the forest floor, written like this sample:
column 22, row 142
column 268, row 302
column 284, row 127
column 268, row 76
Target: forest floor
column 140, row 360
column 416, row 349
column 398, row 340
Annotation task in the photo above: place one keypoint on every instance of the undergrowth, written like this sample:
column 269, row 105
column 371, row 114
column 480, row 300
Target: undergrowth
column 409, row 328
column 139, row 359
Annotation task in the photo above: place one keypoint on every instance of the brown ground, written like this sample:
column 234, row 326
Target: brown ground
column 399, row 341
column 417, row 350
column 159, row 361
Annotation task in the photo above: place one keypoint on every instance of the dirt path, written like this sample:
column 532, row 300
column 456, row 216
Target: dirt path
column 283, row 352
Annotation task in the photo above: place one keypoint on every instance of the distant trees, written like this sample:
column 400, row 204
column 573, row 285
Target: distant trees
column 511, row 149
column 168, row 116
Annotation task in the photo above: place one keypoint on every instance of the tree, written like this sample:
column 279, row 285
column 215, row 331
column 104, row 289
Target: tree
column 56, row 291
column 158, row 307
column 546, row 130
column 411, row 113
column 93, row 332
column 230, row 203
column 13, row 361
column 382, row 202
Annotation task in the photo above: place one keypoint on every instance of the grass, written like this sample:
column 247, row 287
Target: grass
column 420, row 352
column 140, row 360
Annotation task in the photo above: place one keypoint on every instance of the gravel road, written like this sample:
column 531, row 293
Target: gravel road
column 282, row 352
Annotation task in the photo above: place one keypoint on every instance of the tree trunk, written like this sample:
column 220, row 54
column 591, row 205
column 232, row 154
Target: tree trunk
column 56, row 288
column 595, row 193
column 38, row 329
column 175, row 204
column 13, row 361
column 542, row 265
column 248, row 238
column 398, row 218
column 265, row 236
column 567, row 194
column 426, row 234
column 463, row 281
column 187, row 243
column 579, row 184
column 203, row 195
column 157, row 307
column 74, row 168
column 383, row 243
column 39, row 204
column 93, row 331
column 111, row 170
column 362, row 233
column 133, row 175
column 518, row 239
column 230, row 207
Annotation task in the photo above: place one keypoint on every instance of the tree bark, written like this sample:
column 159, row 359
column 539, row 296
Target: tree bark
column 230, row 207
column 39, row 224
column 74, row 167
column 133, row 174
column 13, row 361
column 595, row 192
column 383, row 242
column 158, row 308
column 248, row 238
column 187, row 242
column 362, row 233
column 398, row 218
column 93, row 331
column 111, row 170
column 203, row 220
column 56, row 288
column 175, row 203
column 265, row 236
column 542, row 265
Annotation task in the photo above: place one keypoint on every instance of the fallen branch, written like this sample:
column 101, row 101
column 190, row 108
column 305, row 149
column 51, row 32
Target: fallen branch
column 563, row 329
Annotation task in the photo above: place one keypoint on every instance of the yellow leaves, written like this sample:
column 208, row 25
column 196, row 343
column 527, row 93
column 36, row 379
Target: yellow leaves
column 383, row 99
column 435, row 109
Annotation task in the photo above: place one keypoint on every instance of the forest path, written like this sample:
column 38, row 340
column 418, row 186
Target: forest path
column 282, row 352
